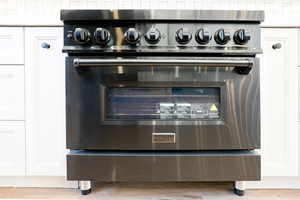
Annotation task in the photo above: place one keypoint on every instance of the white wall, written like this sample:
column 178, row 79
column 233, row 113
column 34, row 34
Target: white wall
column 278, row 12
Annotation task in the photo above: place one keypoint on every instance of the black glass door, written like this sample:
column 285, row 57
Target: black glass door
column 163, row 103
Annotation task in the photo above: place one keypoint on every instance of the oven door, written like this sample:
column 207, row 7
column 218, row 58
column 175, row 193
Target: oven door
column 159, row 103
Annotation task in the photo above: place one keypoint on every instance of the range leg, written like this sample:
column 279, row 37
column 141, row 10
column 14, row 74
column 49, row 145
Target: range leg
column 85, row 187
column 239, row 188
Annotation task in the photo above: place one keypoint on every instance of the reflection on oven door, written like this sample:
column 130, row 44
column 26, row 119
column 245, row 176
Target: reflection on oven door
column 166, row 110
column 163, row 103
column 183, row 110
column 205, row 111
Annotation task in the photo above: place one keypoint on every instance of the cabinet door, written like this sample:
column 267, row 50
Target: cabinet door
column 45, row 101
column 12, row 148
column 11, row 45
column 279, row 103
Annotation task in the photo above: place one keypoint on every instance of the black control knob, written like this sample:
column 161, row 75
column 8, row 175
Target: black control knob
column 222, row 37
column 202, row 37
column 102, row 36
column 81, row 35
column 183, row 36
column 153, row 36
column 241, row 37
column 132, row 36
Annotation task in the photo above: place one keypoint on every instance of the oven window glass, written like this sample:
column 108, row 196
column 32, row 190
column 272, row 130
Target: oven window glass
column 173, row 103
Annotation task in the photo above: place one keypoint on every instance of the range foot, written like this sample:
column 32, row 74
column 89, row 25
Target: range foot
column 85, row 192
column 85, row 187
column 239, row 192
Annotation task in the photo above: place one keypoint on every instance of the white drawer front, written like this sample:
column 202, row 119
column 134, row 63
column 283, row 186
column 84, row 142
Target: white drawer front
column 12, row 92
column 11, row 45
column 12, row 148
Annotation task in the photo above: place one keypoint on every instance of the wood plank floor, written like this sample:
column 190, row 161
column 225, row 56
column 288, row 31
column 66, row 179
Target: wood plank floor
column 169, row 191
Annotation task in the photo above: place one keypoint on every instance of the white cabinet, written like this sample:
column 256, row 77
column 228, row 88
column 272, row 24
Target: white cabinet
column 12, row 92
column 279, row 103
column 12, row 148
column 11, row 45
column 45, row 102
column 12, row 130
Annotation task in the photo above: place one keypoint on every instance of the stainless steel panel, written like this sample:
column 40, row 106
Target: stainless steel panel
column 163, row 166
column 168, row 42
column 170, row 15
column 87, row 128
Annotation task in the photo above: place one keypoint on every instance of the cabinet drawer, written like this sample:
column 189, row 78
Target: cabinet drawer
column 11, row 45
column 12, row 92
column 12, row 148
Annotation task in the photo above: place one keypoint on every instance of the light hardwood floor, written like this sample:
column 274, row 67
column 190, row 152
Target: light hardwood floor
column 141, row 191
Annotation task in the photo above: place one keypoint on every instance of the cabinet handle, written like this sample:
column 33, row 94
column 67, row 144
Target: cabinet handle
column 45, row 45
column 277, row 46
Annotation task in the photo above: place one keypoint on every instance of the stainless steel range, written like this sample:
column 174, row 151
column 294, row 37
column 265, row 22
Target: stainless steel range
column 162, row 95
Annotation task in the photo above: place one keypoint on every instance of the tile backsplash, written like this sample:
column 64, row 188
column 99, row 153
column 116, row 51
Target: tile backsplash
column 277, row 11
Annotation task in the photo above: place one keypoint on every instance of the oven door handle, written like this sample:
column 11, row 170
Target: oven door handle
column 79, row 62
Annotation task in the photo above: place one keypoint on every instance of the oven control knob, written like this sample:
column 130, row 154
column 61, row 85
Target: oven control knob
column 132, row 36
column 202, row 37
column 183, row 36
column 102, row 36
column 222, row 37
column 81, row 35
column 241, row 37
column 153, row 36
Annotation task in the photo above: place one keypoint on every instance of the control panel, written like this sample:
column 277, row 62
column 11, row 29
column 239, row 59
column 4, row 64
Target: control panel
column 164, row 36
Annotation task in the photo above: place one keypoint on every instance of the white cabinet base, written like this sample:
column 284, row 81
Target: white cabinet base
column 275, row 183
column 37, row 181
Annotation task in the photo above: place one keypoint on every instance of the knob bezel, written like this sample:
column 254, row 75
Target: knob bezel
column 84, row 30
column 185, row 30
column 202, row 41
column 150, row 41
column 135, row 42
column 227, row 37
column 106, row 41
column 237, row 40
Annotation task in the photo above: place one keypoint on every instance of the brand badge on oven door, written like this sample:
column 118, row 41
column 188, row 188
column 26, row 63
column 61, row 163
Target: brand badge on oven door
column 163, row 138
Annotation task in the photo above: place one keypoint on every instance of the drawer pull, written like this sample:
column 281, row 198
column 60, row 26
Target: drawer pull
column 277, row 46
column 45, row 45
